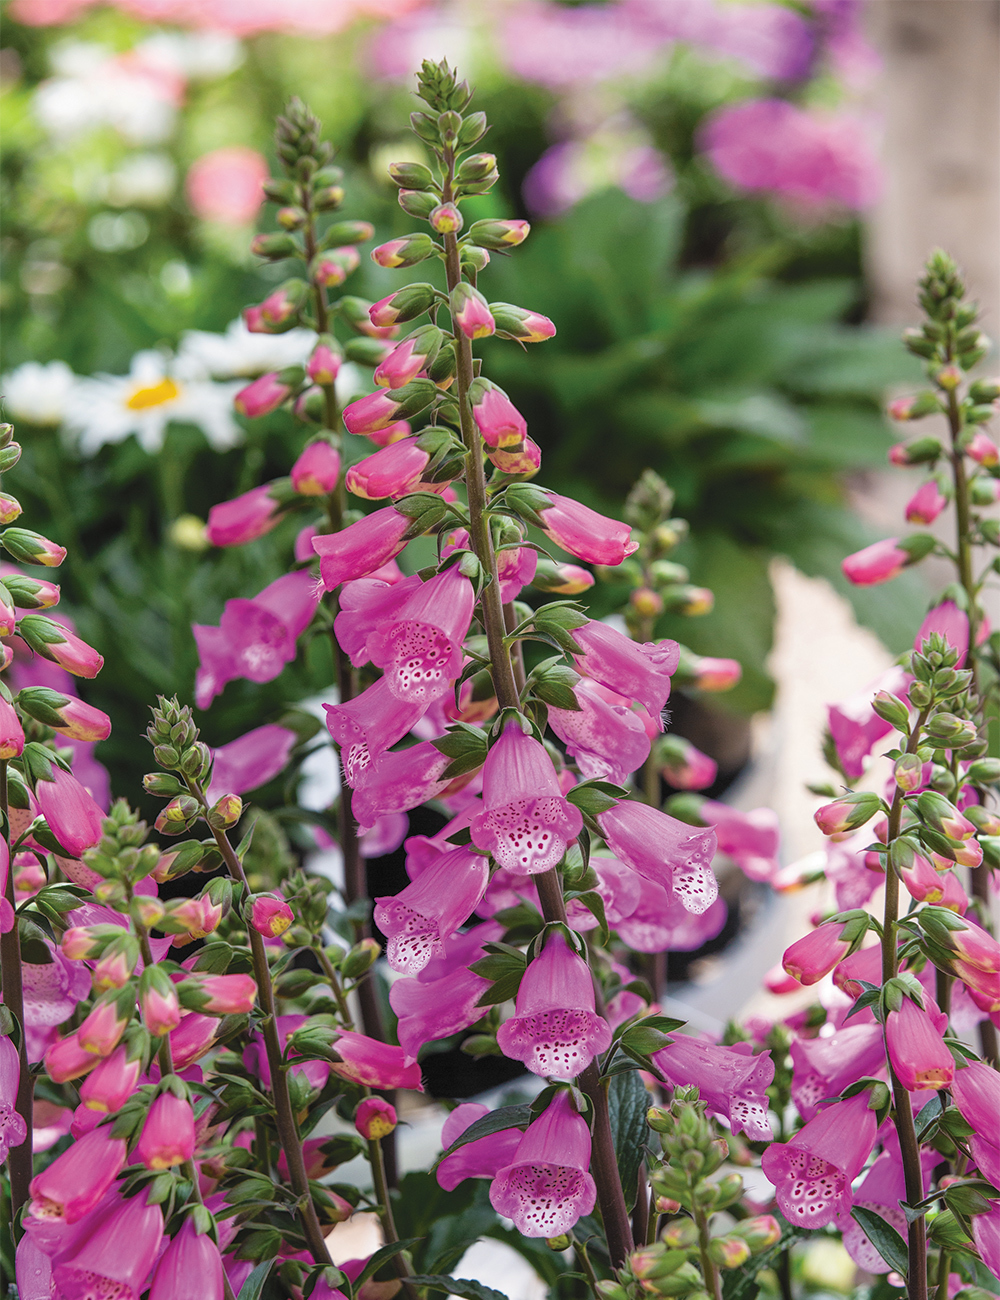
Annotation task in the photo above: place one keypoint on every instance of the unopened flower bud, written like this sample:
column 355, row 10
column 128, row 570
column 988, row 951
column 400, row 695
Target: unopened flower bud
column 759, row 1233
column 848, row 813
column 680, row 1235
column 375, row 1118
column 270, row 916
column 360, row 958
column 225, row 813
column 646, row 602
column 728, row 1252
column 664, row 1205
column 908, row 772
column 446, row 219
column 892, row 710
column 177, row 815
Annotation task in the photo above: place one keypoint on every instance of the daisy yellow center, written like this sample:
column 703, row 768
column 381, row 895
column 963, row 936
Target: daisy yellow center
column 153, row 395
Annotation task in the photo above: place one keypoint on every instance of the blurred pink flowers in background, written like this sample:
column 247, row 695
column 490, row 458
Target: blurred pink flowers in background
column 225, row 185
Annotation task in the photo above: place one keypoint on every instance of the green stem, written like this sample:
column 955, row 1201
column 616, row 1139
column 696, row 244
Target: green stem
column 944, row 1268
column 712, row 1284
column 385, row 1213
column 19, row 1157
column 587, row 1266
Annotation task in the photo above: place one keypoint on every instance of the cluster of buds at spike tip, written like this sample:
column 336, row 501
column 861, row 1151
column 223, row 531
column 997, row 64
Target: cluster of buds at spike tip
column 693, row 1152
column 816, row 954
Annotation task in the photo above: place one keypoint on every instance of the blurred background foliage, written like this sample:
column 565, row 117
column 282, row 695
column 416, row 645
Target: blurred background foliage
column 711, row 330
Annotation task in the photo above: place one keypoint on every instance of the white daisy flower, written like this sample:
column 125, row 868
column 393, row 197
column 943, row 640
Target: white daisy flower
column 240, row 354
column 38, row 393
column 108, row 408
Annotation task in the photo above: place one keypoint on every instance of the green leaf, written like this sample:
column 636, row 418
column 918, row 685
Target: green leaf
column 496, row 1121
column 382, row 1256
column 628, row 1102
column 594, row 903
column 254, row 1285
column 460, row 1286
column 886, row 1240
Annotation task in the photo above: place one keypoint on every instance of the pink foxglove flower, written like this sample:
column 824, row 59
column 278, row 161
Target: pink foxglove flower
column 361, row 548
column 986, row 1236
column 393, row 471
column 983, row 450
column 315, row 1073
column 749, row 838
column 374, row 1064
column 685, row 767
column 470, row 312
column 365, row 605
column 670, row 853
column 976, row 1090
column 926, row 503
column 916, row 1048
column 167, row 1136
column 11, row 731
column 251, row 760
column 191, row 1039
column 115, row 1257
column 219, row 995
column 661, row 921
column 107, row 1088
column 731, row 1080
column 418, row 919
column 823, row 1067
column 75, row 1181
column 526, row 822
column 398, row 781
column 73, row 816
column 66, row 1059
column 421, row 650
column 607, row 740
column 546, row 1188
column 952, row 623
column 259, row 398
column 816, row 953
column 586, row 534
column 499, row 421
column 375, row 1118
column 638, row 672
column 881, row 1190
column 317, row 470
column 270, row 916
column 366, row 726
column 244, row 519
column 876, row 563
column 432, row 1008
column 408, row 359
column 190, row 1266
column 856, row 727
column 13, row 1130
column 813, row 1172
column 555, row 1029
column 480, row 1158
column 226, row 185
column 102, row 1029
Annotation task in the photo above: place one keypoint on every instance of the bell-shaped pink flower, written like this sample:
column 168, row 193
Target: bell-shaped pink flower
column 418, row 919
column 976, row 1090
column 478, row 1159
column 190, row 1266
column 251, row 760
column 749, row 838
column 115, row 1257
column 620, row 890
column 398, row 781
column 813, row 1172
column 374, row 1064
column 244, row 519
column 366, row 726
column 662, row 921
column 670, row 853
column 639, row 672
column 983, row 450
column 607, row 740
column 421, row 650
column 261, row 397
column 876, row 563
column 73, row 816
column 430, row 1009
column 555, row 1030
column 546, row 1188
column 361, row 548
column 375, row 1118
column 13, row 1130
column 526, row 822
column 11, row 731
column 816, row 953
column 586, row 534
column 107, row 1088
column 365, row 606
column 470, row 311
column 81, row 721
column 408, row 359
column 855, row 726
column 823, row 1067
column 103, row 1027
column 916, row 1048
column 75, row 1181
column 926, row 503
column 393, row 471
column 881, row 1190
column 66, row 1059
column 191, row 1039
column 499, row 421
column 218, row 995
column 730, row 1080
column 270, row 916
column 317, row 470
column 167, row 1136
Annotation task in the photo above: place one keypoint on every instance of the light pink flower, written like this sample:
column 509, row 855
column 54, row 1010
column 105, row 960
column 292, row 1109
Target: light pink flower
column 225, row 185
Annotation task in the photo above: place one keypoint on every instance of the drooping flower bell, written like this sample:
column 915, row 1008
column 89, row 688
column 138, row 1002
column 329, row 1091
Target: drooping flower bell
column 375, row 1118
column 167, row 1136
column 190, row 1266
column 823, row 1067
column 976, row 1089
column 816, row 953
column 112, row 1082
column 913, row 1037
column 420, row 649
column 75, row 1181
column 607, row 740
column 731, row 1080
column 361, row 548
column 526, row 822
column 366, row 726
column 639, row 672
column 429, row 1009
column 317, row 469
column 670, row 853
column 480, row 1158
column 12, row 1126
column 244, row 519
column 397, row 782
column 374, row 1064
column 555, row 1030
column 418, row 919
column 73, row 816
column 547, row 1188
column 881, row 1190
column 115, row 1258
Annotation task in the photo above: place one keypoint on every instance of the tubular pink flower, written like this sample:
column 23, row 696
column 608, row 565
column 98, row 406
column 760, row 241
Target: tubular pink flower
column 418, row 919
column 816, row 954
column 66, row 1059
column 687, row 768
column 261, row 397
column 526, row 822
column 75, row 1181
column 876, row 563
column 244, row 519
column 372, row 413
column 190, row 1266
column 81, row 721
column 332, row 268
column 717, row 674
column 392, row 471
column 167, row 1136
column 160, row 1008
column 375, row 1118
column 361, row 548
column 620, row 890
column 586, row 534
column 110, row 1084
column 13, row 1130
column 219, row 995
column 72, row 815
column 608, row 741
column 374, row 1064
column 69, row 652
column 405, row 362
column 479, row 1159
column 471, row 312
column 191, row 1039
column 11, row 731
column 813, row 1172
column 421, row 650
column 638, row 671
column 317, row 470
column 926, row 503
column 251, row 760
column 102, row 1029
column 366, row 726
column 952, row 623
column 823, row 1067
column 524, row 460
column 365, row 606
column 555, row 1029
column 660, row 848
column 983, row 450
column 976, row 947
column 856, row 727
column 275, row 314
column 731, row 1080
column 881, row 1191
column 270, row 916
column 546, row 1188
column 976, row 1090
column 749, row 838
column 661, row 921
column 324, row 364
column 916, row 1049
column 115, row 1257
column 497, row 418
column 398, row 781
column 431, row 1008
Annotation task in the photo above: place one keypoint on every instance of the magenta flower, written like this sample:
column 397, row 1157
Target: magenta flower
column 668, row 852
column 749, row 838
column 479, row 1159
column 366, row 726
column 471, row 312
column 398, row 781
column 731, row 1080
column 361, row 548
column 926, row 503
column 816, row 953
column 418, row 919
column 638, row 671
column 317, row 469
column 323, row 367
column 421, row 650
column 66, row 1059
column 986, row 1236
column 983, row 450
column 13, row 1130
column 244, row 519
column 76, row 1180
column 251, row 760
column 190, row 1266
column 876, row 563
column 270, row 916
column 365, row 606
column 437, row 1006
column 917, row 1051
column 115, row 1257
column 499, row 421
column 80, row 721
column 856, row 727
column 546, row 1188
column 813, row 1171
column 584, row 533
column 11, row 731
column 374, row 1064
column 167, row 1136
column 661, row 921
column 278, row 311
column 375, row 1118
column 881, row 1191
column 190, row 1040
column 823, row 1067
column 952, row 623
column 393, row 471
column 526, row 822
column 607, row 740
column 259, row 398
column 976, row 1090
column 315, row 1073
column 112, row 1082
column 555, row 1029
column 102, row 1029
column 408, row 359
column 687, row 768
column 71, row 813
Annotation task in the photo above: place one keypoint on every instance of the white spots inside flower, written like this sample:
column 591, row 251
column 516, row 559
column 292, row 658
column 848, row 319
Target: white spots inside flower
column 750, row 1116
column 809, row 1092
column 815, row 1187
column 413, row 941
column 355, row 757
column 695, row 886
column 546, row 1198
column 420, row 658
column 525, row 834
column 554, row 1043
column 94, row 1286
